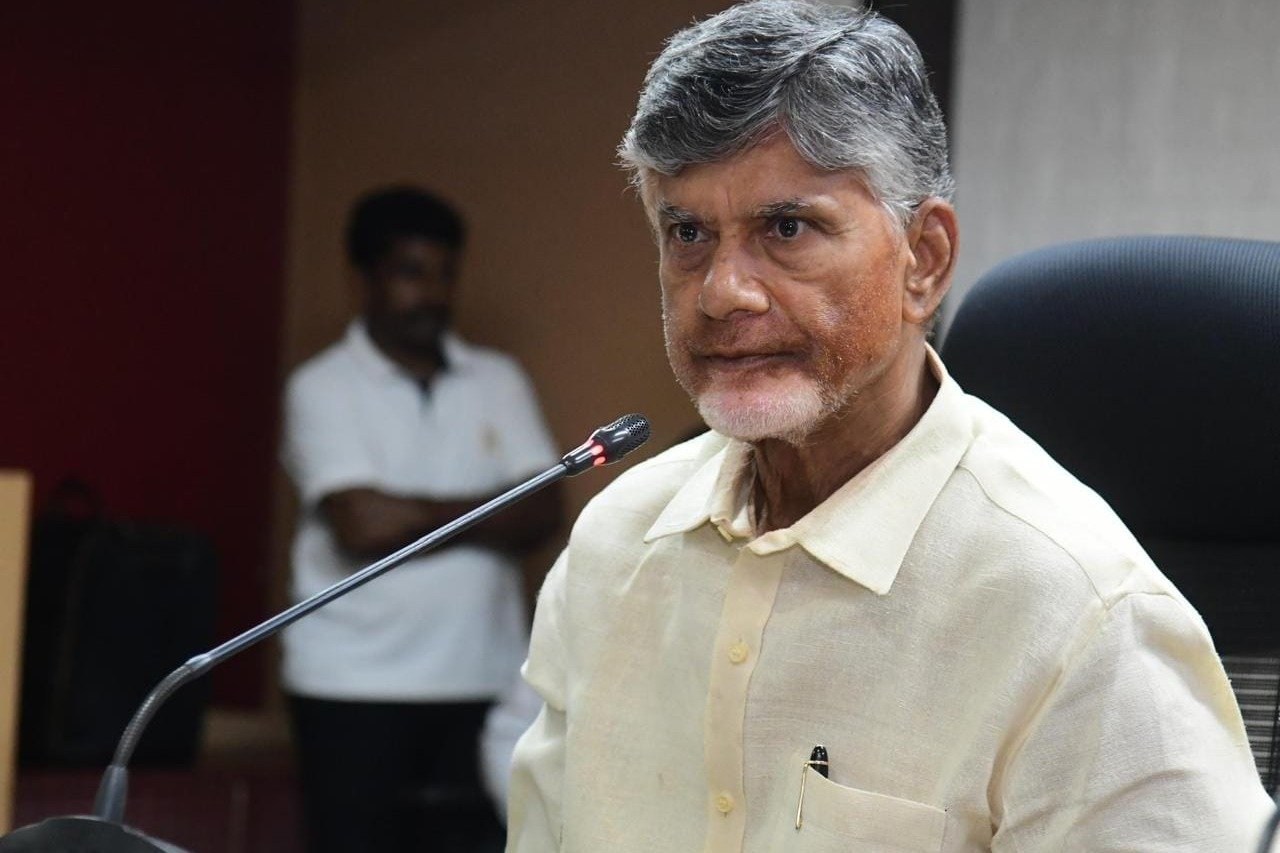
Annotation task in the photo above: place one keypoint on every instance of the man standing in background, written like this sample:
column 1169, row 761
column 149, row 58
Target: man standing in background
column 391, row 432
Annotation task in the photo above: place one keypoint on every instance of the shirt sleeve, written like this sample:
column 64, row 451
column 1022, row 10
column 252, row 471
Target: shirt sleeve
column 530, row 448
column 1139, row 746
column 534, row 817
column 323, row 450
column 505, row 723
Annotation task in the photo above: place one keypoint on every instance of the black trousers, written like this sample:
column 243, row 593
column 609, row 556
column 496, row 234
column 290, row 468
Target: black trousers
column 385, row 777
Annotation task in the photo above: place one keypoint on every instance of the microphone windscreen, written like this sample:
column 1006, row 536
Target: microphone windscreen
column 622, row 436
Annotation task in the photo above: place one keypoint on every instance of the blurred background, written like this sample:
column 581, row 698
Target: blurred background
column 174, row 180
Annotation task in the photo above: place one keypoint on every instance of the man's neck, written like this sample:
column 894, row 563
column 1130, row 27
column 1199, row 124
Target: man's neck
column 422, row 366
column 791, row 479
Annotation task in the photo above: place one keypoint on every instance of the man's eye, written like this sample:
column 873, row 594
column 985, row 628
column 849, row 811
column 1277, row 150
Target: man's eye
column 788, row 227
column 686, row 232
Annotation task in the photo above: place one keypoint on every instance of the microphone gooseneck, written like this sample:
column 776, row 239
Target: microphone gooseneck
column 606, row 445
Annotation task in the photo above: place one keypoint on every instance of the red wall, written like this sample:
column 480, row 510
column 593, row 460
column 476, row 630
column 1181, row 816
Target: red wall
column 143, row 165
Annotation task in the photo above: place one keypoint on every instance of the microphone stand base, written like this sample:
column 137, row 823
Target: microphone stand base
column 81, row 834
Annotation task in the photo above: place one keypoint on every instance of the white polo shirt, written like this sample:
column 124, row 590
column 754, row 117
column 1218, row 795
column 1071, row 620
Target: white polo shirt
column 448, row 626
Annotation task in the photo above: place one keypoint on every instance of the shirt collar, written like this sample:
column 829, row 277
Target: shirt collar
column 862, row 531
column 373, row 360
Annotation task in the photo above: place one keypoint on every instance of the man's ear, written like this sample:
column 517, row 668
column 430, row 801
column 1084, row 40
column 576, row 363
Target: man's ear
column 932, row 240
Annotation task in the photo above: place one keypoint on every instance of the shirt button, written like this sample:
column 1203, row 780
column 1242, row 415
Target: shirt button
column 738, row 652
column 725, row 803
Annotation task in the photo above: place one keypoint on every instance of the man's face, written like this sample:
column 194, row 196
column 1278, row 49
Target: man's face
column 408, row 295
column 782, row 290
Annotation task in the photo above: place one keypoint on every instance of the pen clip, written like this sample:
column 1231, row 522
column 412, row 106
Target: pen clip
column 804, row 774
column 818, row 761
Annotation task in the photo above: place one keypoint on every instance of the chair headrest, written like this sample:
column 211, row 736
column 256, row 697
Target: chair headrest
column 1148, row 366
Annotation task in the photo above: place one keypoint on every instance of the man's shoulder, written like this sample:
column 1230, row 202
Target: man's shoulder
column 486, row 360
column 334, row 363
column 1040, row 506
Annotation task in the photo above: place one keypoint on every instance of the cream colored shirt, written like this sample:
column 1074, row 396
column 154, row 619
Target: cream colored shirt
column 991, row 660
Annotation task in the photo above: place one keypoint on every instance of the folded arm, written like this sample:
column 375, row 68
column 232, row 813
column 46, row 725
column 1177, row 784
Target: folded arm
column 369, row 523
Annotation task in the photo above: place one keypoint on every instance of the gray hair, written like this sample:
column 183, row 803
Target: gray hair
column 846, row 85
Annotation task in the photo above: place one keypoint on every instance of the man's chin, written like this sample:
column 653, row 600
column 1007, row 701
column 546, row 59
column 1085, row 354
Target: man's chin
column 789, row 417
column 423, row 343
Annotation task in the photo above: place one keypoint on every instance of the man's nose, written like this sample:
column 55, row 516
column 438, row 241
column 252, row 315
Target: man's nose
column 732, row 285
column 426, row 289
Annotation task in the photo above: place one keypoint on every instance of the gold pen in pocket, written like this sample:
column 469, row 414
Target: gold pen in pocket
column 820, row 764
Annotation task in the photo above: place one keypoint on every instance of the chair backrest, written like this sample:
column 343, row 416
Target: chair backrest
column 1150, row 368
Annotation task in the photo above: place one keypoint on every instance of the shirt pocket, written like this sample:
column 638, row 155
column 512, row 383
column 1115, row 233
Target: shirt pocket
column 849, row 820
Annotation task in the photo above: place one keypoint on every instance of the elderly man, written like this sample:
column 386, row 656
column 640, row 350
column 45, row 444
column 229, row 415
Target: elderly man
column 861, row 563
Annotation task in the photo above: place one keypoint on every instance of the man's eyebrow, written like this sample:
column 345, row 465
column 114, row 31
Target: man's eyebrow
column 782, row 208
column 674, row 213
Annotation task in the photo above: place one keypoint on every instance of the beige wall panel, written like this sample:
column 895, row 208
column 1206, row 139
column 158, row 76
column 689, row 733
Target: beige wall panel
column 15, row 498
column 513, row 110
column 1096, row 118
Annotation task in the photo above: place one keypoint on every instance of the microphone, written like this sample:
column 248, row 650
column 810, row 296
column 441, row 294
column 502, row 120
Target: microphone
column 608, row 444
column 103, row 831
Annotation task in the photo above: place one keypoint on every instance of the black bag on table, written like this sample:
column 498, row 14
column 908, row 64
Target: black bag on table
column 112, row 607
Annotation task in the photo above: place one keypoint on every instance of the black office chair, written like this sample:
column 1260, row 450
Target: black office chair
column 1150, row 368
